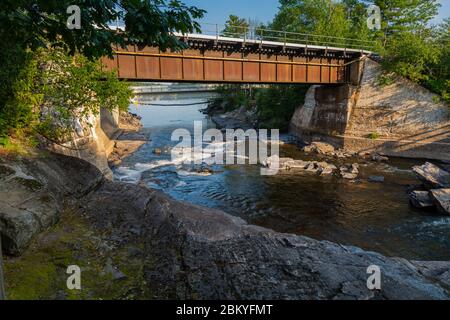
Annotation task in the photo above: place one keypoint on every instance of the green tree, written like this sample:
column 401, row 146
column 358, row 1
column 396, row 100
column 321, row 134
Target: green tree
column 235, row 27
column 327, row 19
column 26, row 26
column 37, row 23
column 399, row 16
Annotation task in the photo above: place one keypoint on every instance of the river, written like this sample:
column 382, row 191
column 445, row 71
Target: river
column 373, row 216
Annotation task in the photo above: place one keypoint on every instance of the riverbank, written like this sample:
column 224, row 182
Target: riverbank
column 134, row 242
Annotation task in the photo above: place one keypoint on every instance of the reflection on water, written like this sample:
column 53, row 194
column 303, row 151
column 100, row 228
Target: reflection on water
column 374, row 216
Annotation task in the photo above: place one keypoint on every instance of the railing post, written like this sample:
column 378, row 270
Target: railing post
column 262, row 37
column 217, row 32
column 2, row 279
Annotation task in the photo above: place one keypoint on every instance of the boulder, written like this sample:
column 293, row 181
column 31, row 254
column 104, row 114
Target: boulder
column 441, row 199
column 420, row 199
column 289, row 164
column 320, row 148
column 340, row 154
column 432, row 176
column 349, row 172
column 379, row 158
column 312, row 167
column 354, row 168
column 326, row 168
column 32, row 192
column 297, row 165
column 194, row 252
column 26, row 208
column 439, row 270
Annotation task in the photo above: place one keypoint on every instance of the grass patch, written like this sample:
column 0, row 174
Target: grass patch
column 40, row 273
column 373, row 136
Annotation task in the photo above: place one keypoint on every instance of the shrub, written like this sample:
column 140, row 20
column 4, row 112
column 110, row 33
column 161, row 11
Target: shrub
column 18, row 95
column 49, row 90
column 373, row 136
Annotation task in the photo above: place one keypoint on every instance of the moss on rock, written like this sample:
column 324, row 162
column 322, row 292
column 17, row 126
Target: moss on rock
column 40, row 273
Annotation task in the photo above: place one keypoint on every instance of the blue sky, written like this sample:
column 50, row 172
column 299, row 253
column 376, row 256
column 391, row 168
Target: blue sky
column 262, row 10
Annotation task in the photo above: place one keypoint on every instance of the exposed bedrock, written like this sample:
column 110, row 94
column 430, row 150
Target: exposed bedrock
column 193, row 252
column 397, row 119
column 33, row 192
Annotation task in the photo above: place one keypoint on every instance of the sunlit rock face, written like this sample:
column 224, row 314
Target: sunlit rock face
column 91, row 140
column 397, row 119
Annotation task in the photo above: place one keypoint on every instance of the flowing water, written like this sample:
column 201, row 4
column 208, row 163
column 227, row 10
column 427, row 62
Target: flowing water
column 373, row 216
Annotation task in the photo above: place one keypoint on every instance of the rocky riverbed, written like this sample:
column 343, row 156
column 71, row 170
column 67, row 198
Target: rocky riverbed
column 133, row 242
column 183, row 251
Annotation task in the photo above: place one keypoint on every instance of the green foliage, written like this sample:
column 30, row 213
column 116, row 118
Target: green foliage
column 274, row 104
column 277, row 103
column 47, row 90
column 409, row 54
column 235, row 27
column 74, row 88
column 4, row 141
column 408, row 45
column 385, row 79
column 399, row 16
column 325, row 18
column 34, row 24
column 42, row 88
column 18, row 96
column 373, row 136
column 232, row 97
column 423, row 57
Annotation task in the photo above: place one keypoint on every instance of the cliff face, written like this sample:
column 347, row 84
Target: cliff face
column 93, row 141
column 399, row 119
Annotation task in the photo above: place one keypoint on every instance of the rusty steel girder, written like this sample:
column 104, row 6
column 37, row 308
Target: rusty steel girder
column 231, row 63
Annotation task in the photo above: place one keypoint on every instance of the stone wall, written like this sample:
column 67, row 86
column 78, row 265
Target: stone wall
column 326, row 111
column 399, row 119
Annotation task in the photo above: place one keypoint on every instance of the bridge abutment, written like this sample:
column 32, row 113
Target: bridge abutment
column 400, row 119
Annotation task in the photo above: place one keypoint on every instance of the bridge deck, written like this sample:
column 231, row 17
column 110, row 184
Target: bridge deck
column 267, row 43
column 220, row 59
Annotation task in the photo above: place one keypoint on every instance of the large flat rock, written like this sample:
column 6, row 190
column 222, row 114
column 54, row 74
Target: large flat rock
column 432, row 176
column 32, row 193
column 441, row 199
column 193, row 252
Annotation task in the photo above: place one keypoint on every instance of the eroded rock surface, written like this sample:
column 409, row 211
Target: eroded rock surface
column 432, row 176
column 420, row 199
column 441, row 199
column 32, row 193
column 193, row 252
column 291, row 165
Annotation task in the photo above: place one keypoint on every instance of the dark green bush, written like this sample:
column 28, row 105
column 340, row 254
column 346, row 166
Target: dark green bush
column 274, row 104
column 18, row 94
column 46, row 90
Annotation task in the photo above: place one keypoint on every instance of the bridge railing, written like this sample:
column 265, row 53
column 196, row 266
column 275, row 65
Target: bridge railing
column 285, row 37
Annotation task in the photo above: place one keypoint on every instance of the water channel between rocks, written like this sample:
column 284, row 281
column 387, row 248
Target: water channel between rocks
column 373, row 216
